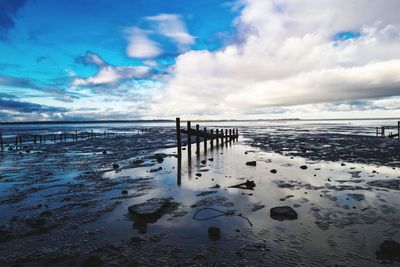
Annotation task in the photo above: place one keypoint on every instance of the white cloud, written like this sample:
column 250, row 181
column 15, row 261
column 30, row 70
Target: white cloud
column 288, row 57
column 172, row 26
column 140, row 46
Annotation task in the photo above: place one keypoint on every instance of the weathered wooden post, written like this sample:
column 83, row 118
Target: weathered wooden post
column 205, row 139
column 197, row 139
column 217, row 136
column 230, row 135
column 189, row 139
column 222, row 136
column 398, row 130
column 383, row 131
column 1, row 142
column 226, row 136
column 20, row 140
column 178, row 136
column 212, row 138
column 16, row 141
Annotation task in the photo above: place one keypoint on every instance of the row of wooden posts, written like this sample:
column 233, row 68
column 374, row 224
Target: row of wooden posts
column 220, row 135
column 380, row 131
column 61, row 137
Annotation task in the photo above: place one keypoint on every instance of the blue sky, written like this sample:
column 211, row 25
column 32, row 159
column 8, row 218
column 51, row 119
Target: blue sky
column 137, row 59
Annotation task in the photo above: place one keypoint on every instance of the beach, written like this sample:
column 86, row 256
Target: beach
column 81, row 203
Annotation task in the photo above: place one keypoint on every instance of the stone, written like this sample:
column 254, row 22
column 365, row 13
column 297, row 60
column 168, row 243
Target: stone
column 211, row 159
column 214, row 233
column 273, row 171
column 198, row 174
column 203, row 161
column 389, row 251
column 303, row 167
column 124, row 192
column 251, row 163
column 92, row 261
column 156, row 169
column 115, row 166
column 283, row 213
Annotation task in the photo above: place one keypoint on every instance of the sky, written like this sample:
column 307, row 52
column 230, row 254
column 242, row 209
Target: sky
column 205, row 59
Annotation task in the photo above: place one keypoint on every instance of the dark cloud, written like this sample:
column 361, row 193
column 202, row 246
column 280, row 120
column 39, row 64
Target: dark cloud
column 8, row 12
column 56, row 91
column 27, row 107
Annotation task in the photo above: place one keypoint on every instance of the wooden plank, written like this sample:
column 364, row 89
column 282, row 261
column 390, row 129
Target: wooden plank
column 178, row 136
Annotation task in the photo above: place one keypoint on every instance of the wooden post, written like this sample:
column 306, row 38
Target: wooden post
column 226, row 135
column 217, row 139
column 189, row 139
column 178, row 136
column 383, row 131
column 1, row 142
column 16, row 141
column 205, row 140
column 197, row 140
column 20, row 140
column 76, row 135
column 212, row 138
column 230, row 135
column 398, row 130
column 222, row 136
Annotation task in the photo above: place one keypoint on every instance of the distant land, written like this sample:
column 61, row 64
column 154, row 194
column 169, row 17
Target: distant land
column 171, row 121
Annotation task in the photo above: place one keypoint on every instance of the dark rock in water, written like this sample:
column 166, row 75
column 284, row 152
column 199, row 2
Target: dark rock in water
column 251, row 163
column 156, row 169
column 104, row 152
column 303, row 167
column 203, row 161
column 283, row 213
column 389, row 251
column 214, row 233
column 138, row 161
column 150, row 211
column 273, row 171
column 343, row 164
column 198, row 174
column 115, row 166
column 92, row 261
column 159, row 158
column 211, row 159
column 215, row 186
column 124, row 192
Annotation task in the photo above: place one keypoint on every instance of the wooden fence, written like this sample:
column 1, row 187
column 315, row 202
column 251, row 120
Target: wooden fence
column 380, row 131
column 218, row 136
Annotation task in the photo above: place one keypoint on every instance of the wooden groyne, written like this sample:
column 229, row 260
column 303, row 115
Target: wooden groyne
column 381, row 131
column 217, row 136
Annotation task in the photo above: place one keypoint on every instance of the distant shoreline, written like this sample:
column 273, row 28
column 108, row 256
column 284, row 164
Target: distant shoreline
column 171, row 121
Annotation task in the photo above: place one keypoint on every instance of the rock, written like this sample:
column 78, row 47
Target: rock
column 283, row 213
column 198, row 174
column 104, row 152
column 273, row 171
column 115, row 166
column 303, row 167
column 211, row 159
column 151, row 211
column 138, row 161
column 389, row 251
column 215, row 186
column 92, row 261
column 156, row 169
column 203, row 161
column 124, row 192
column 214, row 233
column 251, row 163
column 343, row 164
column 159, row 158
column 257, row 207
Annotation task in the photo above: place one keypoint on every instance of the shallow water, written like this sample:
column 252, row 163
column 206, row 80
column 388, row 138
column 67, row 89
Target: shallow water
column 344, row 214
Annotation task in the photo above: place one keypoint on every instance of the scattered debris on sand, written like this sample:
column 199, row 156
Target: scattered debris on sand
column 283, row 213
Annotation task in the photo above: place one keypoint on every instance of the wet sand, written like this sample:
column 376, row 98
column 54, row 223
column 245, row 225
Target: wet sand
column 69, row 206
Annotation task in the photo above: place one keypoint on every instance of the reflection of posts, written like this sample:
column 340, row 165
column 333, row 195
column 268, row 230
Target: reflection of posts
column 179, row 171
column 189, row 138
column 197, row 140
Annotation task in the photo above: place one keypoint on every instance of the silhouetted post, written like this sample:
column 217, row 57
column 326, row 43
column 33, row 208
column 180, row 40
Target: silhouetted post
column 1, row 142
column 76, row 135
column 178, row 137
column 205, row 139
column 16, row 141
column 226, row 135
column 217, row 139
column 383, row 131
column 230, row 135
column 398, row 129
column 189, row 139
column 179, row 170
column 212, row 138
column 197, row 140
column 20, row 140
column 237, row 134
